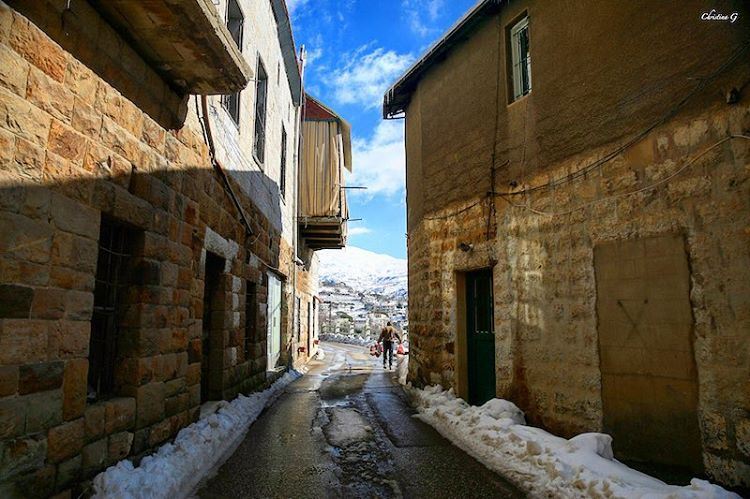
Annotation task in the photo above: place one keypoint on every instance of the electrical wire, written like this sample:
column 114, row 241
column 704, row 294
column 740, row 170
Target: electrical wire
column 206, row 126
column 630, row 193
column 702, row 84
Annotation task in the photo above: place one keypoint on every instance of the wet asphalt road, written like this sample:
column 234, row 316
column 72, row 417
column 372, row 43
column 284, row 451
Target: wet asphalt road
column 345, row 431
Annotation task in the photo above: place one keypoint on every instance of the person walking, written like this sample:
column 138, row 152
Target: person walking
column 387, row 337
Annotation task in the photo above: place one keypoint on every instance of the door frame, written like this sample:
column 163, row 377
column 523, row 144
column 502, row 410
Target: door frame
column 461, row 351
column 273, row 310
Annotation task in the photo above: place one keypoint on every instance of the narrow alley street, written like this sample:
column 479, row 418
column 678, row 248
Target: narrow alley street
column 345, row 430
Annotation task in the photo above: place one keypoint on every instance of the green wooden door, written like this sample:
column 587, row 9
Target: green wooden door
column 480, row 337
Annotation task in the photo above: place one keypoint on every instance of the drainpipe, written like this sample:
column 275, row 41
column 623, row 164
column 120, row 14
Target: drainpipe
column 295, row 229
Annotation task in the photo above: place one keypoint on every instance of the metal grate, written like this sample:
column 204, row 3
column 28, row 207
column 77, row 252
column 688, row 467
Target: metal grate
column 111, row 263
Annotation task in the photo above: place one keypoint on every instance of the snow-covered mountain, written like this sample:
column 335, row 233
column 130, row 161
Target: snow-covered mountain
column 364, row 271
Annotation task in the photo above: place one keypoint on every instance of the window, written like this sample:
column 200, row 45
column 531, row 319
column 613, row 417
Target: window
column 235, row 23
column 111, row 270
column 251, row 307
column 232, row 104
column 282, row 173
column 520, row 58
column 309, row 326
column 261, row 90
column 298, row 309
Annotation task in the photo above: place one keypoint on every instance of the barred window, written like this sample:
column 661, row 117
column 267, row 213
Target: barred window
column 520, row 58
column 261, row 91
column 111, row 271
column 235, row 24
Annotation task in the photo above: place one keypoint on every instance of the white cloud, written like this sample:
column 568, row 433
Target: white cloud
column 313, row 55
column 380, row 163
column 293, row 5
column 366, row 77
column 357, row 231
column 421, row 13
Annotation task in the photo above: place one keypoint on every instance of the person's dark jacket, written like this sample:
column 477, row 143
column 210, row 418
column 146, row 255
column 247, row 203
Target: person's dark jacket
column 389, row 333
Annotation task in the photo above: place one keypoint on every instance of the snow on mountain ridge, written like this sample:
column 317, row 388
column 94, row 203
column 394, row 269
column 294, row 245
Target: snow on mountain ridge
column 364, row 270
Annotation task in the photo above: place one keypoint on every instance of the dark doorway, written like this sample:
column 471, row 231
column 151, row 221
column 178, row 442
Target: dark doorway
column 251, row 321
column 309, row 327
column 480, row 337
column 212, row 328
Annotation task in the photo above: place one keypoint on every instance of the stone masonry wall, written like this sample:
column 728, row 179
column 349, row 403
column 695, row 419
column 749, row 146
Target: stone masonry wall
column 583, row 105
column 547, row 357
column 73, row 149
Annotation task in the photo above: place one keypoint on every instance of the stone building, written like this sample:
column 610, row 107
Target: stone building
column 148, row 225
column 578, row 184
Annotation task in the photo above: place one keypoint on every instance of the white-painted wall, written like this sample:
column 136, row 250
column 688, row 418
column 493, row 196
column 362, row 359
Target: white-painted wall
column 234, row 144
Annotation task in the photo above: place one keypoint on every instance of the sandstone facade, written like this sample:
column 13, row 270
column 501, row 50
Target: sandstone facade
column 564, row 245
column 88, row 140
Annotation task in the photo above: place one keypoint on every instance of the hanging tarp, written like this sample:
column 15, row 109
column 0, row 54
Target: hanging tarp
column 322, row 177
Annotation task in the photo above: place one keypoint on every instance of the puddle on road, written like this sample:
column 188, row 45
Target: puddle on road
column 341, row 386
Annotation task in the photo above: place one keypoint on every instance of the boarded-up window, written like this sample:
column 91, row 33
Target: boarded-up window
column 649, row 380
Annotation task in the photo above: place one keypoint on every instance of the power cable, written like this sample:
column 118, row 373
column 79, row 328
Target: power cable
column 625, row 194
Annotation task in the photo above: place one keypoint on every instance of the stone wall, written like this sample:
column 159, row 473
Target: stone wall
column 74, row 149
column 684, row 177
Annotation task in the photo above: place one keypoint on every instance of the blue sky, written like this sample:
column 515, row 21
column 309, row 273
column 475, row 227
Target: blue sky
column 356, row 50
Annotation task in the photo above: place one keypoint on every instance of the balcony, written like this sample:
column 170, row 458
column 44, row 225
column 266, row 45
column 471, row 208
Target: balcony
column 185, row 42
column 326, row 152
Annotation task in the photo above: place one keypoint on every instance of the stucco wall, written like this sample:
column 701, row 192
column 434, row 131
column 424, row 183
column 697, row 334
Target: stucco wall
column 260, row 41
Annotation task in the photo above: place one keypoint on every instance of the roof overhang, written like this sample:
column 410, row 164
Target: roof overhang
column 396, row 98
column 288, row 49
column 184, row 41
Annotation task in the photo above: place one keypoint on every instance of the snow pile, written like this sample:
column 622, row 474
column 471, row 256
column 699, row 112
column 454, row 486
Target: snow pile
column 539, row 462
column 320, row 355
column 177, row 468
column 364, row 270
column 348, row 339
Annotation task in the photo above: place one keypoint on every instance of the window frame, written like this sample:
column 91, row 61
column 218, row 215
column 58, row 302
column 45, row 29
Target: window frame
column 282, row 170
column 108, row 305
column 228, row 19
column 261, row 112
column 231, row 102
column 517, row 61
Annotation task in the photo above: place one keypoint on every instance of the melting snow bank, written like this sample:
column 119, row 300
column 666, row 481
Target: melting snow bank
column 539, row 462
column 348, row 339
column 177, row 468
